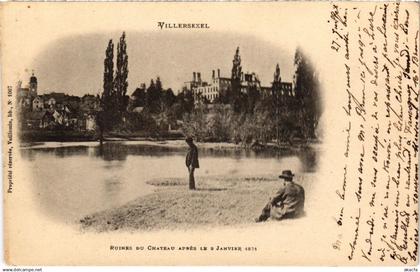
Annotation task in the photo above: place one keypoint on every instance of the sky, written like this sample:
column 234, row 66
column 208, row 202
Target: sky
column 74, row 64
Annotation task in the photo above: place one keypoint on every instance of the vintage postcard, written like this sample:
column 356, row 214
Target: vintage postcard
column 235, row 133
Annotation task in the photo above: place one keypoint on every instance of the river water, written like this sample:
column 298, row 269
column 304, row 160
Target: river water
column 71, row 180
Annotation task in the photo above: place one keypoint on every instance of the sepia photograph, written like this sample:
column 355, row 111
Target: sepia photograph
column 194, row 150
column 210, row 133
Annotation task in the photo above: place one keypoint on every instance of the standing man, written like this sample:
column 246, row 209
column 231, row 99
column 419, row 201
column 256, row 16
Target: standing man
column 288, row 201
column 191, row 161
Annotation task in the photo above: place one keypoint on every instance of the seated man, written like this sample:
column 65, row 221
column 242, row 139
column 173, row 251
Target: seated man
column 287, row 203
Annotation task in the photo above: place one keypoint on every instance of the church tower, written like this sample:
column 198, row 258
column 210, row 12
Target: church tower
column 33, row 85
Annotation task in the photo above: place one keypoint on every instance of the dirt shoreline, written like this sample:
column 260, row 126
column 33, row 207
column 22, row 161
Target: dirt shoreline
column 218, row 201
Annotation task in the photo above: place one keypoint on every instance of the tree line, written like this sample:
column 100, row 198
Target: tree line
column 235, row 116
column 260, row 117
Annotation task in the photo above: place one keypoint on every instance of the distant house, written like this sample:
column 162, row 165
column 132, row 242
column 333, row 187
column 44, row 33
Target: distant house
column 37, row 104
column 87, row 122
column 36, row 119
column 48, row 121
column 73, row 103
column 23, row 98
column 25, row 103
column 51, row 101
column 89, row 103
column 72, row 119
column 58, row 117
column 54, row 100
column 23, row 92
column 90, row 123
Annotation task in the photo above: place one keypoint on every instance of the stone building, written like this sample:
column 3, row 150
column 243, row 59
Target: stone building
column 211, row 90
column 26, row 95
column 221, row 85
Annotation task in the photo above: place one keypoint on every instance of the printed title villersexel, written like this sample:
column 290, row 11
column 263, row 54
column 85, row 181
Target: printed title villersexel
column 163, row 25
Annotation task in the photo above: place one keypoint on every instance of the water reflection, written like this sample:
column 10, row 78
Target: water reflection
column 72, row 181
column 119, row 151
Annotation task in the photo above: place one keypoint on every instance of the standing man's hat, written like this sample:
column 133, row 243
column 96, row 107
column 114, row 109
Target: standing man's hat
column 286, row 174
column 189, row 140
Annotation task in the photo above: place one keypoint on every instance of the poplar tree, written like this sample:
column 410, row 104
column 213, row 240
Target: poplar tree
column 276, row 94
column 236, row 71
column 306, row 85
column 235, row 92
column 108, row 87
column 121, row 75
column 104, row 118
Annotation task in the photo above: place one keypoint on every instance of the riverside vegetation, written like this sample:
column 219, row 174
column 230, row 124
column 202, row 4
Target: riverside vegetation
column 235, row 116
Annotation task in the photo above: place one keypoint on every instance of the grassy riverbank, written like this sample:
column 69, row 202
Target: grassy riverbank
column 217, row 201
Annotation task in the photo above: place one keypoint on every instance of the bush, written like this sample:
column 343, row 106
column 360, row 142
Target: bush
column 222, row 124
